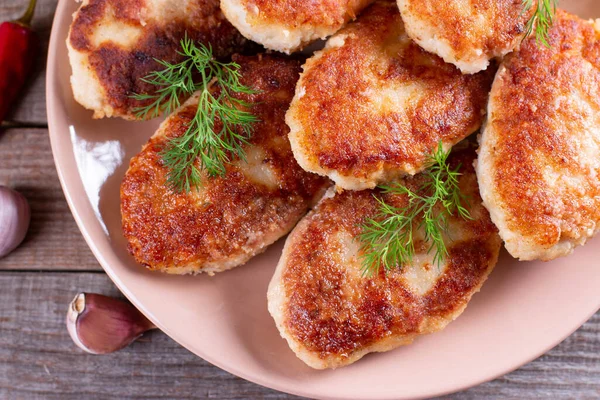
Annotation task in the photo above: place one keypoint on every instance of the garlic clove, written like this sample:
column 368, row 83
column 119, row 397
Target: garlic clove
column 100, row 325
column 15, row 215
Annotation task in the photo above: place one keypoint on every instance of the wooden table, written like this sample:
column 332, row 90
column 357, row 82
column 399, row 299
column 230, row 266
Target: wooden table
column 37, row 357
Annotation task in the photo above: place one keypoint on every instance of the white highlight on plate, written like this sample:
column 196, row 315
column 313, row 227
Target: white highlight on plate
column 96, row 162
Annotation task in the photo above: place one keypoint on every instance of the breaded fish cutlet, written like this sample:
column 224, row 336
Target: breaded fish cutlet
column 467, row 34
column 331, row 315
column 373, row 106
column 289, row 25
column 113, row 43
column 539, row 162
column 228, row 219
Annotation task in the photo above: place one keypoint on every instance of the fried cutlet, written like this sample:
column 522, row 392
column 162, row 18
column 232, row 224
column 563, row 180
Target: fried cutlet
column 373, row 106
column 539, row 162
column 331, row 315
column 113, row 44
column 467, row 34
column 289, row 25
column 231, row 218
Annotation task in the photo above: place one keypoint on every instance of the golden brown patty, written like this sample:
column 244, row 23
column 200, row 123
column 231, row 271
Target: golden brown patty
column 466, row 34
column 289, row 25
column 113, row 43
column 539, row 164
column 231, row 218
column 373, row 105
column 332, row 316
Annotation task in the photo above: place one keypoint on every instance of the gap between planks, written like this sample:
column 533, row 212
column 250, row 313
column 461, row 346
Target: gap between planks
column 38, row 360
column 54, row 241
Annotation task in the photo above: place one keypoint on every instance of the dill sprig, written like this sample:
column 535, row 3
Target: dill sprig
column 542, row 19
column 388, row 238
column 220, row 127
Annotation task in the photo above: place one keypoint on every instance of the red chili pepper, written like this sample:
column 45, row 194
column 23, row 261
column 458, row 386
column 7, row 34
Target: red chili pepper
column 18, row 47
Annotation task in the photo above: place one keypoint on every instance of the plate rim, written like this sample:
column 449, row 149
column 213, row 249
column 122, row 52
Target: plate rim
column 51, row 110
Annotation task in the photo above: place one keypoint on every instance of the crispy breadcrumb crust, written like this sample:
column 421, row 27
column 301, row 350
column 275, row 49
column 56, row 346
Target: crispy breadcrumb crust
column 231, row 218
column 466, row 34
column 332, row 316
column 539, row 163
column 114, row 43
column 373, row 106
column 290, row 25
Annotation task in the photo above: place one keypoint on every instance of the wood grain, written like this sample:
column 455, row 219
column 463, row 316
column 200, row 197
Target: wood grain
column 39, row 361
column 53, row 241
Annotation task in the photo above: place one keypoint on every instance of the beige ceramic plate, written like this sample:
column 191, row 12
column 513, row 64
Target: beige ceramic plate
column 524, row 310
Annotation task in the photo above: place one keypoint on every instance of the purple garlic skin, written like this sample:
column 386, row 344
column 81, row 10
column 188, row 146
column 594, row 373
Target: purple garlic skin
column 15, row 215
column 100, row 325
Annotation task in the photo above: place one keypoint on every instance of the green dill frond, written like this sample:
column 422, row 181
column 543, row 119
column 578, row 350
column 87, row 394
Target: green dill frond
column 387, row 239
column 220, row 128
column 542, row 19
column 173, row 82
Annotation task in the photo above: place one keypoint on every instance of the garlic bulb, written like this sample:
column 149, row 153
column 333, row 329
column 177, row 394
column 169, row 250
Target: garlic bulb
column 14, row 219
column 100, row 325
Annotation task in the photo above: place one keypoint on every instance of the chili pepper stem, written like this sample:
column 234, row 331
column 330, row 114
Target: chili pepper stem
column 27, row 17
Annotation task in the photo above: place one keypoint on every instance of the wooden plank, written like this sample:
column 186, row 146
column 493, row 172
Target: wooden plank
column 38, row 360
column 54, row 241
column 32, row 104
